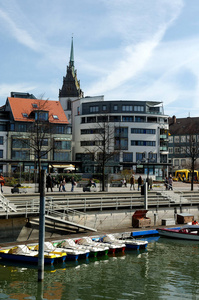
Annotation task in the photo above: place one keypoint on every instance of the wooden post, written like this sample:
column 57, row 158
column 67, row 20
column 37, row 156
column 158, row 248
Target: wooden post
column 41, row 226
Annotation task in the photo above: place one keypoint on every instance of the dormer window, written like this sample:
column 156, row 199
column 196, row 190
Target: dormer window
column 55, row 117
column 41, row 116
column 34, row 105
column 25, row 115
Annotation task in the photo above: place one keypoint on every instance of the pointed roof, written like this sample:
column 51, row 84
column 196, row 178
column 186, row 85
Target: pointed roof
column 23, row 109
column 72, row 61
column 71, row 86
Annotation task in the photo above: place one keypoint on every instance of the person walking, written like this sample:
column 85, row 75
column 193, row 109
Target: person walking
column 170, row 183
column 49, row 183
column 63, row 185
column 139, row 182
column 132, row 182
column 73, row 183
column 2, row 182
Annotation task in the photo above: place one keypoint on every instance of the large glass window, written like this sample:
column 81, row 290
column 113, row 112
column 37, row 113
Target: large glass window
column 140, row 119
column 143, row 131
column 143, row 143
column 93, row 109
column 1, row 140
column 176, row 139
column 1, row 153
column 121, row 131
column 62, row 145
column 20, row 154
column 127, row 157
column 62, row 156
column 127, row 118
column 20, row 143
column 22, row 127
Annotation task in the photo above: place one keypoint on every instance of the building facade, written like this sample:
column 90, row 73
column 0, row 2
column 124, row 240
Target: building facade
column 182, row 132
column 19, row 144
column 138, row 135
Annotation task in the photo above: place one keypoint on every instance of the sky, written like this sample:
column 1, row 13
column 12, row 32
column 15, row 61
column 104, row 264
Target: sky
column 124, row 49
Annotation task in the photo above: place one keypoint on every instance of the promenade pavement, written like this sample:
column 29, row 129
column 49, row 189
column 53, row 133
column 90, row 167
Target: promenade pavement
column 31, row 188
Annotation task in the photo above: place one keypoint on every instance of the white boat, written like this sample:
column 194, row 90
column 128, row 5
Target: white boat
column 129, row 243
column 119, row 245
column 187, row 232
column 94, row 248
column 69, row 246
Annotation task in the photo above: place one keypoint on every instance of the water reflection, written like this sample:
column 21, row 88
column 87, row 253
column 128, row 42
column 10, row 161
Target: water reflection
column 167, row 268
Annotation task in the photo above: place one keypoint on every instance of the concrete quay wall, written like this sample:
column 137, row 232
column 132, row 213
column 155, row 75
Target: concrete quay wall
column 21, row 229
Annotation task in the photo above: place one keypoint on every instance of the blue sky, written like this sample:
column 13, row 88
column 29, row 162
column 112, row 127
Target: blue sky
column 124, row 49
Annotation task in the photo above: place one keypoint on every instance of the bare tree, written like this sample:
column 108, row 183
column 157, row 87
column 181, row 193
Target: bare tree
column 38, row 133
column 191, row 151
column 102, row 147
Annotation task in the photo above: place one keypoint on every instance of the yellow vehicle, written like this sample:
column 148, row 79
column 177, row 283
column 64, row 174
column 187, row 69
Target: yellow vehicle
column 185, row 175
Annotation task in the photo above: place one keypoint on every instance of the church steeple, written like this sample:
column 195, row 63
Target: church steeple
column 72, row 61
column 71, row 86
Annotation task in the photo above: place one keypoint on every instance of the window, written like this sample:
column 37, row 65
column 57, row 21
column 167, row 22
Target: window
column 183, row 149
column 176, row 139
column 62, row 156
column 121, row 131
column 1, row 140
column 138, row 108
column 44, row 142
column 176, row 150
column 3, row 127
column 183, row 139
column 143, row 131
column 115, row 107
column 60, row 129
column 170, row 150
column 62, row 145
column 22, row 127
column 34, row 105
column 127, row 108
column 115, row 119
column 127, row 119
column 121, row 143
column 127, row 157
column 183, row 162
column 176, row 162
column 170, row 139
column 20, row 154
column 41, row 116
column 140, row 156
column 93, row 109
column 55, row 117
column 1, row 153
column 140, row 119
column 143, row 143
column 25, row 115
column 104, row 107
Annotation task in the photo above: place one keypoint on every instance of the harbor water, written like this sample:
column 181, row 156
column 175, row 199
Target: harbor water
column 168, row 269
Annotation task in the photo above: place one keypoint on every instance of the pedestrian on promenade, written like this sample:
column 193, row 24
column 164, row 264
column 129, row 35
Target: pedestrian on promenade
column 132, row 182
column 63, row 185
column 73, row 183
column 139, row 182
column 170, row 183
column 2, row 182
column 49, row 183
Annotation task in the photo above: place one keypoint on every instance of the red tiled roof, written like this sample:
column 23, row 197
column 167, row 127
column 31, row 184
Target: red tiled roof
column 20, row 106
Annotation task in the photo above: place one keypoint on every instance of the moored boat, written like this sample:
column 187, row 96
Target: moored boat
column 186, row 232
column 88, row 243
column 116, row 244
column 73, row 250
column 24, row 254
column 129, row 243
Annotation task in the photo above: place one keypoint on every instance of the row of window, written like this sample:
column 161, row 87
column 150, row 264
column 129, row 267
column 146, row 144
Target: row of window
column 183, row 138
column 135, row 108
column 178, row 150
column 25, row 144
column 56, row 129
column 119, row 130
column 120, row 143
column 127, row 157
column 95, row 119
column 25, row 155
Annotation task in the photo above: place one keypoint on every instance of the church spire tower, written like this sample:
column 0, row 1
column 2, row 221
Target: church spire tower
column 71, row 86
